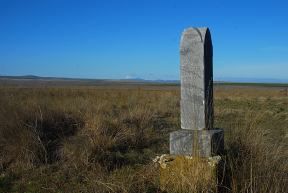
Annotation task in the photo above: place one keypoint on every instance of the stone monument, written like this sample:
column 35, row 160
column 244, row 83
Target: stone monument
column 193, row 164
column 197, row 136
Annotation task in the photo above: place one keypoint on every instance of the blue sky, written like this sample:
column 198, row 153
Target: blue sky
column 140, row 38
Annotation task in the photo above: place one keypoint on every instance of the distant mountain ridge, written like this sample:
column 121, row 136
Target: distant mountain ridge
column 139, row 80
column 253, row 80
column 33, row 77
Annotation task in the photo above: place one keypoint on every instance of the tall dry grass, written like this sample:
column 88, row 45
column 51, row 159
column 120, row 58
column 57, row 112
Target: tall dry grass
column 256, row 159
column 103, row 140
column 255, row 138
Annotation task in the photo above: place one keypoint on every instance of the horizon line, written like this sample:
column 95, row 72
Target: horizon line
column 217, row 79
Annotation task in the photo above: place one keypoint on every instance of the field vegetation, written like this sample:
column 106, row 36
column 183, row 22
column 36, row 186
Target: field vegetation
column 103, row 139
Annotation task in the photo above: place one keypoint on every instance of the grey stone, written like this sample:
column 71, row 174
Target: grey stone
column 201, row 143
column 197, row 137
column 196, row 54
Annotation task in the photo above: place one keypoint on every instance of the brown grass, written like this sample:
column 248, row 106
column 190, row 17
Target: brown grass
column 188, row 174
column 81, row 139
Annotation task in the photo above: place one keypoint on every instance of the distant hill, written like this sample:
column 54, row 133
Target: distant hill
column 252, row 80
column 21, row 77
column 32, row 80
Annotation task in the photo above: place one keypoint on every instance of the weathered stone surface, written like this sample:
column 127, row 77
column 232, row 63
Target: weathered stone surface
column 198, row 143
column 196, row 54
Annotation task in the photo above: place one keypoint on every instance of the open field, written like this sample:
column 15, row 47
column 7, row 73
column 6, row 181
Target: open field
column 102, row 138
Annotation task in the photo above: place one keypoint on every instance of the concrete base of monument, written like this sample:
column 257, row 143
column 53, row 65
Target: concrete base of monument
column 188, row 174
column 197, row 143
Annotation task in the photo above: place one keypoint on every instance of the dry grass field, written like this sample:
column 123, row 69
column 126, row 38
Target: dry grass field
column 103, row 139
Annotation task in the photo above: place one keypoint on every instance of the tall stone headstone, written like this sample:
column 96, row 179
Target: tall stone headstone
column 197, row 136
column 196, row 54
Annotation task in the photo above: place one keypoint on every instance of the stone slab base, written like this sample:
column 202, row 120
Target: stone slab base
column 197, row 143
column 188, row 174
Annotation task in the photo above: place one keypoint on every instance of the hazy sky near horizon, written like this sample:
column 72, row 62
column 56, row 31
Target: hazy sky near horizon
column 140, row 38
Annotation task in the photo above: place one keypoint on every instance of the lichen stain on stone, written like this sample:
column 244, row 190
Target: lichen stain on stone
column 187, row 173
